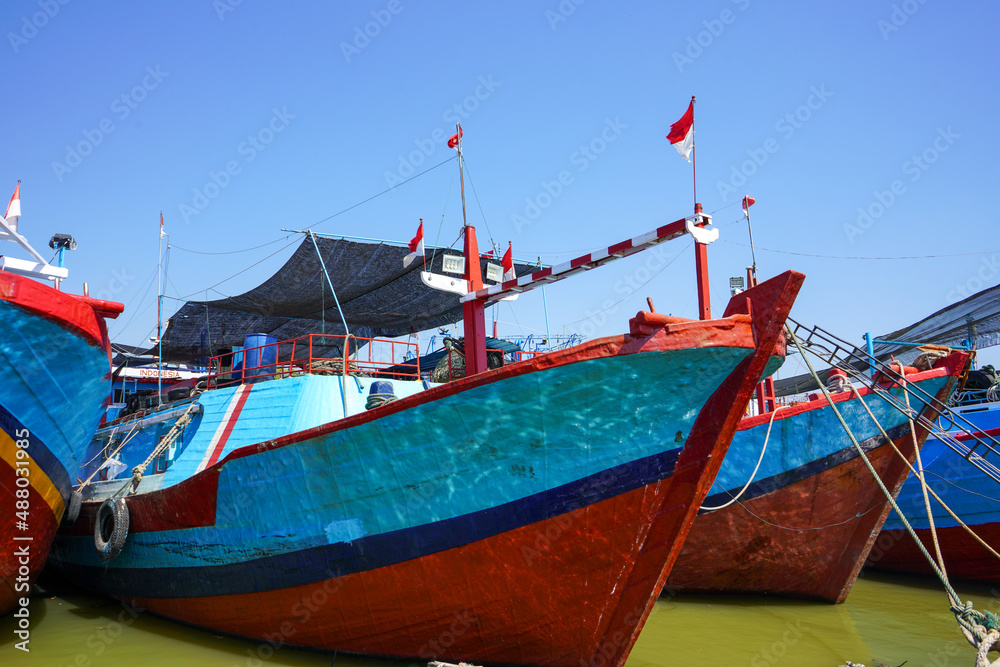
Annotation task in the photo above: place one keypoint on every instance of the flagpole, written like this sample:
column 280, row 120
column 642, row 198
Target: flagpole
column 424, row 256
column 159, row 316
column 753, row 254
column 461, row 177
column 694, row 152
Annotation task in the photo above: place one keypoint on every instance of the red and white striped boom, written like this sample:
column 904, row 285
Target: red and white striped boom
column 693, row 225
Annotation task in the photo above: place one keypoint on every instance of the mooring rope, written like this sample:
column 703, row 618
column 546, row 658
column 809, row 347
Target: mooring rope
column 168, row 439
column 981, row 629
column 919, row 472
column 746, row 486
column 938, row 498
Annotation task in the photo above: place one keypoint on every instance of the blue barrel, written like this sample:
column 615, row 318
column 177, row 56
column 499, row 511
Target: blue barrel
column 259, row 364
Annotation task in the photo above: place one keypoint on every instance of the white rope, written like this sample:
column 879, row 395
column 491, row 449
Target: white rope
column 756, row 468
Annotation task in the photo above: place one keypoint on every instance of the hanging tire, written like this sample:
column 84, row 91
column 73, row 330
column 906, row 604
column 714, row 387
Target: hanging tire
column 73, row 507
column 111, row 528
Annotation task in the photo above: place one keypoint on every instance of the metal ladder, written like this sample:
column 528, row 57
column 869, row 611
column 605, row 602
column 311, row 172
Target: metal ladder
column 980, row 449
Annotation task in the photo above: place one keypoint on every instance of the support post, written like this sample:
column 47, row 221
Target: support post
column 474, row 311
column 701, row 269
column 870, row 348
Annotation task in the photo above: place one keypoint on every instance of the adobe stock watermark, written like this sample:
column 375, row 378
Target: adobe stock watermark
column 900, row 14
column 704, row 39
column 363, row 35
column 248, row 149
column 30, row 25
column 786, row 126
column 438, row 138
column 656, row 259
column 581, row 158
column 223, row 7
column 562, row 12
column 122, row 107
column 915, row 167
column 118, row 283
column 772, row 655
column 984, row 276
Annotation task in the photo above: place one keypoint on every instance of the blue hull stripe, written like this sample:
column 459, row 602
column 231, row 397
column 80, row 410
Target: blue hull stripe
column 40, row 454
column 777, row 482
column 366, row 553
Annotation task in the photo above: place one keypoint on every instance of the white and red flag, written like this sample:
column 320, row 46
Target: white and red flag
column 682, row 133
column 453, row 140
column 14, row 208
column 507, row 263
column 748, row 201
column 416, row 245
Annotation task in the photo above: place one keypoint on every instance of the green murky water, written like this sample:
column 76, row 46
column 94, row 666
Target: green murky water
column 892, row 619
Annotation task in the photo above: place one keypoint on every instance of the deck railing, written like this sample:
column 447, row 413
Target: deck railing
column 317, row 354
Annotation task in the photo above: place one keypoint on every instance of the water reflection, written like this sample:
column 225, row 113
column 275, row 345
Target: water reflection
column 889, row 618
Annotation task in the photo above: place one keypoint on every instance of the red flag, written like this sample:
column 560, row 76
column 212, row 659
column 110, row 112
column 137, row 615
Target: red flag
column 453, row 141
column 14, row 208
column 748, row 201
column 682, row 133
column 416, row 245
column 508, row 264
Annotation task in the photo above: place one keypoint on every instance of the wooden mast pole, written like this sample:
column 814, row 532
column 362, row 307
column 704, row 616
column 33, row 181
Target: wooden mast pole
column 700, row 249
column 473, row 311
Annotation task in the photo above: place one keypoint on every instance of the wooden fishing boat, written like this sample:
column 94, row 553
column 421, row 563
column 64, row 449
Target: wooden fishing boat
column 794, row 509
column 54, row 358
column 961, row 458
column 971, row 490
column 526, row 514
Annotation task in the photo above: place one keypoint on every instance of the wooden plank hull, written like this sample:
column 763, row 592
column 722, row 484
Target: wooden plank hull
column 521, row 516
column 805, row 527
column 970, row 493
column 55, row 365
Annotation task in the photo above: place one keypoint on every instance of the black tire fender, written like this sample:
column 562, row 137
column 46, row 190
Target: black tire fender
column 111, row 528
column 73, row 507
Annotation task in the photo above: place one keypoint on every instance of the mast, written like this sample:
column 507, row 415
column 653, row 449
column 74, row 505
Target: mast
column 473, row 311
column 701, row 269
column 159, row 318
column 700, row 249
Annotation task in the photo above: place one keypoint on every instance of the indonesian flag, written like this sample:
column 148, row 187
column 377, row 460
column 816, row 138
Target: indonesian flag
column 682, row 133
column 748, row 201
column 162, row 233
column 14, row 208
column 453, row 141
column 416, row 245
column 508, row 264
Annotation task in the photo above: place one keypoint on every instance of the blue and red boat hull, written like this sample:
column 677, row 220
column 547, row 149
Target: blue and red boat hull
column 804, row 527
column 968, row 491
column 54, row 358
column 526, row 515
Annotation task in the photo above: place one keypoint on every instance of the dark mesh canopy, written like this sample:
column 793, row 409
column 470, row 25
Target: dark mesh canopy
column 951, row 325
column 979, row 314
column 378, row 295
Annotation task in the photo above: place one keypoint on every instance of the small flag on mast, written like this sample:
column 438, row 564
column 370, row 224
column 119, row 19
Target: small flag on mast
column 507, row 263
column 682, row 133
column 14, row 208
column 416, row 245
column 453, row 141
column 748, row 201
column 162, row 233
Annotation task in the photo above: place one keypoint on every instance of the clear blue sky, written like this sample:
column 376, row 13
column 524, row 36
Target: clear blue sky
column 822, row 111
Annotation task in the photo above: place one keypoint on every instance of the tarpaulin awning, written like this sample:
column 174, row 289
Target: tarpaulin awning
column 379, row 298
